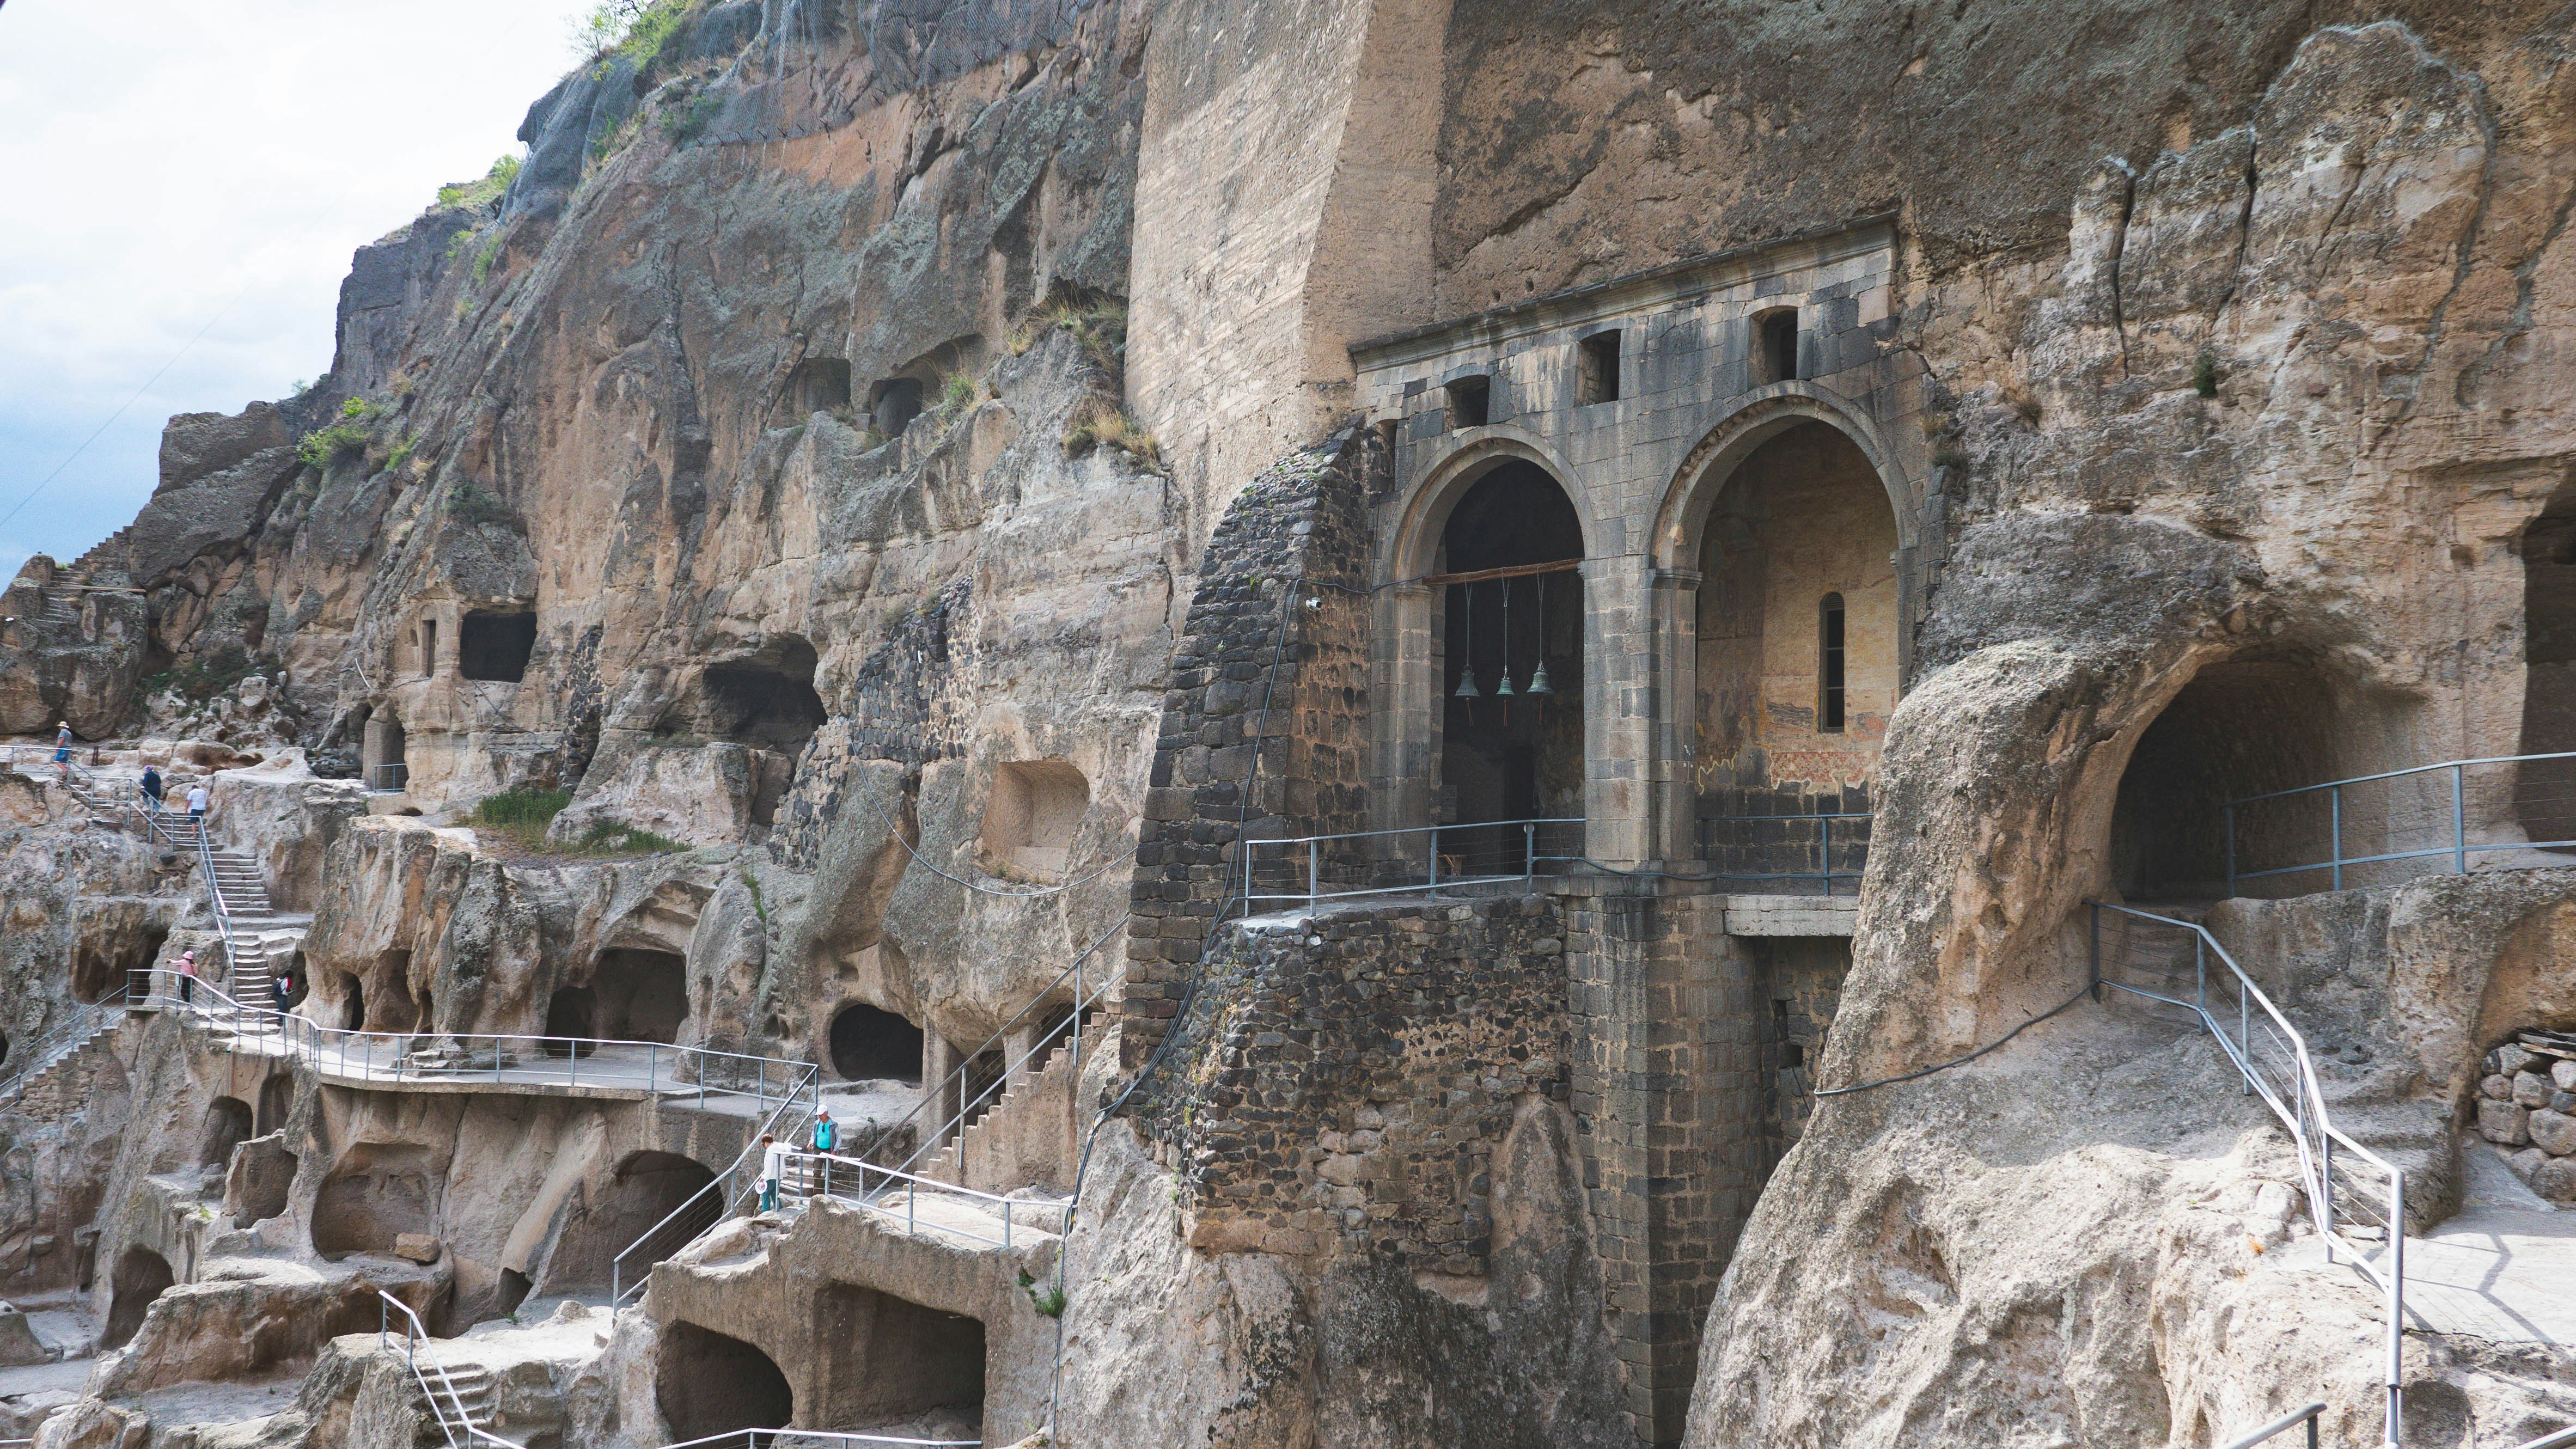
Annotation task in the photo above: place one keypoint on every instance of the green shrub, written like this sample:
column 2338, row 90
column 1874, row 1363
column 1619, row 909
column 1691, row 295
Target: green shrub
column 482, row 191
column 400, row 455
column 468, row 504
column 957, row 390
column 323, row 447
column 1104, row 426
column 2204, row 373
column 1101, row 328
column 483, row 259
column 521, row 814
column 637, row 30
column 682, row 124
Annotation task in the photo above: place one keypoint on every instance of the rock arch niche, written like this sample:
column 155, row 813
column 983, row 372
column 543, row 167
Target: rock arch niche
column 2248, row 727
column 141, row 1276
column 869, row 1044
column 892, row 1359
column 2545, row 790
column 1799, row 665
column 707, row 1383
column 645, row 1188
column 1509, row 701
column 227, row 1126
column 631, row 993
column 375, row 1193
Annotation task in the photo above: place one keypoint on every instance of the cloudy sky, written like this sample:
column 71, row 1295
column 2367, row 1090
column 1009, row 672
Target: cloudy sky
column 184, row 167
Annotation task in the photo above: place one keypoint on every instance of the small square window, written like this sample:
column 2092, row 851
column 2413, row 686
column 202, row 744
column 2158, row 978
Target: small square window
column 1468, row 398
column 1596, row 368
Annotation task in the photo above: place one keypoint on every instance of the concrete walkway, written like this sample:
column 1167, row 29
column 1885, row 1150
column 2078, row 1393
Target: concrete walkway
column 2503, row 1269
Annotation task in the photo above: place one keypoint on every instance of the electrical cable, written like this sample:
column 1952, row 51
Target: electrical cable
column 129, row 402
column 2080, row 994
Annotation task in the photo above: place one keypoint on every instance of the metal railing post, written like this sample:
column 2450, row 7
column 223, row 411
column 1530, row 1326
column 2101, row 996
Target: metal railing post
column 1529, row 852
column 2229, row 818
column 2396, row 1301
column 2459, row 823
column 2336, row 796
column 1314, row 854
column 1435, row 855
column 2200, row 975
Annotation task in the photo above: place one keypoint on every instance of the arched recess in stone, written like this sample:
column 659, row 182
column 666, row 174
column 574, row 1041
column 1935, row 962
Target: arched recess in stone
column 869, row 1044
column 892, row 1359
column 276, row 1103
column 375, row 1193
column 2545, row 790
column 644, row 1189
column 2249, row 726
column 227, row 1126
column 141, row 1276
column 1499, row 503
column 1796, row 662
column 707, row 1383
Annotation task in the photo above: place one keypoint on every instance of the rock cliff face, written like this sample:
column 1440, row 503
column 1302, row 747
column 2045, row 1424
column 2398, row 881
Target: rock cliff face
column 885, row 495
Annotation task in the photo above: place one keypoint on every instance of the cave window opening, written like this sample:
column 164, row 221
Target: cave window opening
column 2238, row 729
column 99, row 966
column 1596, row 369
column 382, row 753
column 2545, row 790
column 227, row 1126
column 572, row 1022
column 711, row 1384
column 355, row 1017
column 643, row 995
column 895, row 402
column 819, row 385
column 767, row 700
column 872, row 1045
column 141, row 1276
column 890, row 1359
column 646, row 1188
column 1776, row 346
column 1829, row 664
column 1031, row 815
column 4, row 1048
column 495, row 647
column 374, row 1194
column 1516, row 756
column 276, row 1103
column 428, row 647
column 1469, row 399
column 512, row 1292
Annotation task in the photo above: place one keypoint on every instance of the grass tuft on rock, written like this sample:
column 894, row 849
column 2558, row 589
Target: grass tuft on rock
column 525, row 814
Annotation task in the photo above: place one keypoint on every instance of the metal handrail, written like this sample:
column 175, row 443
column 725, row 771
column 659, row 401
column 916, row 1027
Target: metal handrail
column 749, row 1439
column 873, row 1198
column 2307, row 1416
column 2311, row 1128
column 727, row 1198
column 2459, row 849
column 308, row 1036
column 1314, row 844
column 2554, row 1439
column 34, row 1058
column 1825, row 871
column 412, row 1357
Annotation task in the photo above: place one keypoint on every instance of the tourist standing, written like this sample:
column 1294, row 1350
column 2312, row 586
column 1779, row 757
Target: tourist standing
column 827, row 1136
column 187, row 977
column 63, row 749
column 153, row 789
column 281, row 986
column 773, row 1166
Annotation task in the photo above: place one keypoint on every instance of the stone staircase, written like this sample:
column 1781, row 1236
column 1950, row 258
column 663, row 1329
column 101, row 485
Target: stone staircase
column 473, row 1408
column 263, row 937
column 29, row 1072
column 1030, row 1135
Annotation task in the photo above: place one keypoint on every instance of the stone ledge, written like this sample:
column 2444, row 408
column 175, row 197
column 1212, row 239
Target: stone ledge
column 1791, row 915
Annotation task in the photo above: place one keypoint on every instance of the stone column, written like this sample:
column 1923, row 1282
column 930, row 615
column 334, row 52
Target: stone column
column 1675, row 793
column 1407, row 676
column 938, row 1063
column 1619, row 711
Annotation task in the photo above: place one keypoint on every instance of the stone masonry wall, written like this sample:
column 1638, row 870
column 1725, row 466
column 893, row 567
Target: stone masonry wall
column 1238, row 697
column 1349, row 1075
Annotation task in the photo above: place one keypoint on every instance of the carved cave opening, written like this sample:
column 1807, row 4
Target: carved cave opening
column 141, row 1276
column 495, row 646
column 104, row 960
column 276, row 1103
column 766, row 701
column 1797, row 662
column 892, row 1359
column 375, row 1192
column 2544, row 796
column 1031, row 816
column 647, row 1187
column 1802, row 983
column 227, row 1126
column 870, row 1045
column 2240, row 728
column 819, row 384
column 1511, row 753
column 708, row 1384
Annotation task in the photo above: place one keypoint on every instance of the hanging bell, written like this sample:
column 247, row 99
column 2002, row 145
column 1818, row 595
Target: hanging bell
column 1467, row 685
column 1504, row 690
column 1538, row 680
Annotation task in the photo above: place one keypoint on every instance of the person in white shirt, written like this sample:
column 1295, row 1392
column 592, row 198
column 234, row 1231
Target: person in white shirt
column 197, row 801
column 773, row 1166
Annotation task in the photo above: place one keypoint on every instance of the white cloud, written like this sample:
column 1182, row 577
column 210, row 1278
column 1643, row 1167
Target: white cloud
column 172, row 163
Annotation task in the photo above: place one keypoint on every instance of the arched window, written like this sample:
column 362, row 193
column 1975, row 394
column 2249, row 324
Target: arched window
column 1829, row 664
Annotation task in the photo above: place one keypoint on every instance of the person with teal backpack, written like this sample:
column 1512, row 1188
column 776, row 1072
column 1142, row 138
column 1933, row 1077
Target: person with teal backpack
column 827, row 1135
